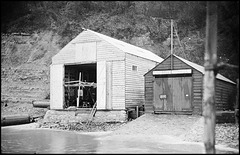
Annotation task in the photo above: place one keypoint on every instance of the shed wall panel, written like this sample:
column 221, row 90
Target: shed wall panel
column 106, row 51
column 197, row 78
column 135, row 79
column 225, row 95
column 101, row 85
column 67, row 53
column 148, row 80
column 109, row 85
column 85, row 51
column 56, row 86
column 118, row 85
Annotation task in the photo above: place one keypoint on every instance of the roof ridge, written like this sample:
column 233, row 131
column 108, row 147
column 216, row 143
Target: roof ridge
column 120, row 44
column 201, row 69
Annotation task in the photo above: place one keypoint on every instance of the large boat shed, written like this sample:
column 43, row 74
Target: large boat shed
column 176, row 86
column 115, row 67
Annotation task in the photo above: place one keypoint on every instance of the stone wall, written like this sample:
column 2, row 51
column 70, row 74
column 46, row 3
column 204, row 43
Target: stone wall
column 110, row 116
column 66, row 117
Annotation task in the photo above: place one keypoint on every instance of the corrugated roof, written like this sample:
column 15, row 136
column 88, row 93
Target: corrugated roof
column 201, row 69
column 128, row 48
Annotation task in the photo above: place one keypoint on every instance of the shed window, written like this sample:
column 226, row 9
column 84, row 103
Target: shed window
column 134, row 68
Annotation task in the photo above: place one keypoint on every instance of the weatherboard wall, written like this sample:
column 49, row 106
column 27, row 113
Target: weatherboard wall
column 135, row 69
column 176, row 64
column 104, row 50
column 122, row 87
column 224, row 90
column 225, row 95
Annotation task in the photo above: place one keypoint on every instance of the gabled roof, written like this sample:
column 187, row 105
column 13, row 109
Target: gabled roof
column 201, row 69
column 128, row 48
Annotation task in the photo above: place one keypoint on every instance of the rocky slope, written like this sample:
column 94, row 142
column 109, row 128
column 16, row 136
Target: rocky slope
column 25, row 60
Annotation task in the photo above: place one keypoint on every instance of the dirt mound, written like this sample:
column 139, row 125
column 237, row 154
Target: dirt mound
column 150, row 124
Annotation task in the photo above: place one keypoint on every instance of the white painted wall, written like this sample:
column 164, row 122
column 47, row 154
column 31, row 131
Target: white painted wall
column 101, row 84
column 109, row 85
column 85, row 52
column 56, row 86
column 135, row 79
column 118, row 84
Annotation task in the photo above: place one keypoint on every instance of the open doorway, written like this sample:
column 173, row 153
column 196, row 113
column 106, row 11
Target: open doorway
column 80, row 85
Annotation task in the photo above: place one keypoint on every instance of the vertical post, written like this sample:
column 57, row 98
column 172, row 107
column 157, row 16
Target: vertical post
column 79, row 89
column 137, row 111
column 171, row 42
column 237, row 103
column 210, row 59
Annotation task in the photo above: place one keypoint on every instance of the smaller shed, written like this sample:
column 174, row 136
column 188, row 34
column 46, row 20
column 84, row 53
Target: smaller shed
column 176, row 86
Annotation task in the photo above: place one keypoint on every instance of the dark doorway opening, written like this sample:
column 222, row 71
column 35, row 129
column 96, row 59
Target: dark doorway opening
column 87, row 74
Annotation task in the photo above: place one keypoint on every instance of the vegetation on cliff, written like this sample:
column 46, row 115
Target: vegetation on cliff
column 52, row 24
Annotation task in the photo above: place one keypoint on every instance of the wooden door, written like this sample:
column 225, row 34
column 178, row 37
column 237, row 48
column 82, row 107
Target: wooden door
column 56, row 86
column 172, row 94
column 101, row 85
column 182, row 93
column 163, row 94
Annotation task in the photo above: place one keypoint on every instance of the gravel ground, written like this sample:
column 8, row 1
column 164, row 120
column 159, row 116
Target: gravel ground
column 150, row 124
column 188, row 128
column 185, row 127
column 11, row 108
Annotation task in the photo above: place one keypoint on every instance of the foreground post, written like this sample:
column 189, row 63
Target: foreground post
column 210, row 63
column 237, row 104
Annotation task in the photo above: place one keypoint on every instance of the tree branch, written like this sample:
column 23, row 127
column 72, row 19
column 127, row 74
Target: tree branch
column 223, row 65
